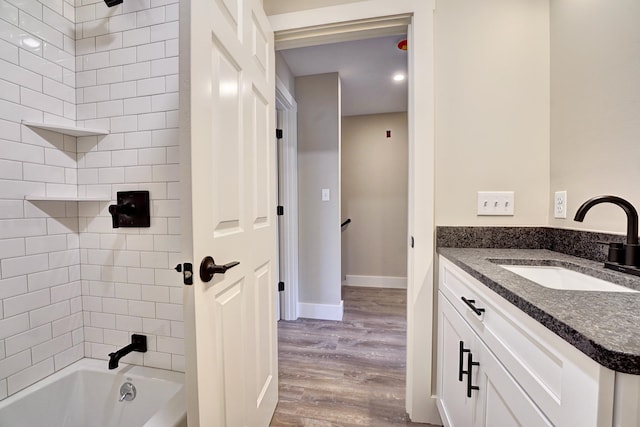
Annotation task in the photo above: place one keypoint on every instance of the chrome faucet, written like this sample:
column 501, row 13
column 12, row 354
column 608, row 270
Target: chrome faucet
column 138, row 343
column 627, row 254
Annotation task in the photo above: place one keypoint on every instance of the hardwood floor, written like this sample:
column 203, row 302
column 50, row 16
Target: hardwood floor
column 349, row 373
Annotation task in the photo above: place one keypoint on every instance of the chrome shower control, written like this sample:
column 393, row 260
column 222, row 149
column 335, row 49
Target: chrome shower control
column 127, row 392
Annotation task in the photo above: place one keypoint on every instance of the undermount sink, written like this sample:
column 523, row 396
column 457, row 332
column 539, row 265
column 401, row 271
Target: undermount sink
column 562, row 278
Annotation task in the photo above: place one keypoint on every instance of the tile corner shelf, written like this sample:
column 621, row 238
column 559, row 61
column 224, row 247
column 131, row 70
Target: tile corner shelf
column 67, row 130
column 67, row 198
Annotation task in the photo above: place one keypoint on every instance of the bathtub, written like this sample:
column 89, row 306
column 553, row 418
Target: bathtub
column 87, row 394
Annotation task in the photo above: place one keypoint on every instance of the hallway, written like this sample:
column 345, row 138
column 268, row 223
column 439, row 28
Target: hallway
column 349, row 373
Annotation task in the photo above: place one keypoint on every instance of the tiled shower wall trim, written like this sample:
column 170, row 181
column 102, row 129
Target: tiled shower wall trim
column 70, row 285
column 583, row 244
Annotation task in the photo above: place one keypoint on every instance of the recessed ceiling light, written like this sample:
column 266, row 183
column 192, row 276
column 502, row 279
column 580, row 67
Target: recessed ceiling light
column 399, row 77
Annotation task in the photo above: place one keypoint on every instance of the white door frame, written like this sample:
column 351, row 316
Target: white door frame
column 330, row 23
column 289, row 193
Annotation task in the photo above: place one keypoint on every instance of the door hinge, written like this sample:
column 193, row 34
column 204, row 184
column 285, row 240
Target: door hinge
column 280, row 210
column 187, row 272
column 412, row 241
column 280, row 286
column 279, row 133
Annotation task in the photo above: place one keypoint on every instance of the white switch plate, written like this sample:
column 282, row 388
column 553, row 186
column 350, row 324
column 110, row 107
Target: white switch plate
column 560, row 204
column 496, row 203
column 326, row 195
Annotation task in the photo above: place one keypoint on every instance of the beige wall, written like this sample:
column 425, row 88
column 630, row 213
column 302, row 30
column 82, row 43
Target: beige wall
column 595, row 107
column 492, row 105
column 533, row 96
column 318, row 99
column 374, row 195
column 492, row 108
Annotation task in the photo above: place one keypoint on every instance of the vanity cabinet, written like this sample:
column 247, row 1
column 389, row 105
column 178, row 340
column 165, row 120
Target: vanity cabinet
column 525, row 375
column 474, row 388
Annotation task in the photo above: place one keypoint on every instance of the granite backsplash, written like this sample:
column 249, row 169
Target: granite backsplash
column 582, row 244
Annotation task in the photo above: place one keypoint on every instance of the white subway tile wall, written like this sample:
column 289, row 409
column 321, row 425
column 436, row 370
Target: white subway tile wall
column 71, row 286
column 129, row 68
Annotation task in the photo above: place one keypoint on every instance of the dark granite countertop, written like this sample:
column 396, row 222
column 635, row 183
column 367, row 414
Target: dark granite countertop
column 603, row 325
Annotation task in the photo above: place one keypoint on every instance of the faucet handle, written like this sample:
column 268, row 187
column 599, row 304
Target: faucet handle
column 616, row 251
column 127, row 392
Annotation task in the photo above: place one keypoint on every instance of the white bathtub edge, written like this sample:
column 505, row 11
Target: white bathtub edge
column 173, row 414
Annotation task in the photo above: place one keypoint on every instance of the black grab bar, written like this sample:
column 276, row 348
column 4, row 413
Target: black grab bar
column 348, row 221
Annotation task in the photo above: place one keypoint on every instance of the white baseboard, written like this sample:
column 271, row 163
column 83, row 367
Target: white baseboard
column 321, row 311
column 377, row 281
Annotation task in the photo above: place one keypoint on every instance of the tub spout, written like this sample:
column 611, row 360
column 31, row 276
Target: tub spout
column 138, row 343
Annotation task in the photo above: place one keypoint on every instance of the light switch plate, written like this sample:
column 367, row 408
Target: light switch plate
column 496, row 203
column 560, row 204
column 326, row 195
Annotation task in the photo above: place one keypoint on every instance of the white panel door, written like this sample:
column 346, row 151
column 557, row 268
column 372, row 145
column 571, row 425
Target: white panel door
column 228, row 149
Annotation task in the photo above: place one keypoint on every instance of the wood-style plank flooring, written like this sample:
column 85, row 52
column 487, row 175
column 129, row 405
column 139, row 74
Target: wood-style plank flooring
column 349, row 373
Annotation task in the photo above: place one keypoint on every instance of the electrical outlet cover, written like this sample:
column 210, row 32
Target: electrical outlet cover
column 496, row 203
column 560, row 204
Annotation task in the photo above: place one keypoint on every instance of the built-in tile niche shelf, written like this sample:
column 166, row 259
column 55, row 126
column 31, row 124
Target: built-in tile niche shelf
column 68, row 198
column 67, row 130
column 72, row 131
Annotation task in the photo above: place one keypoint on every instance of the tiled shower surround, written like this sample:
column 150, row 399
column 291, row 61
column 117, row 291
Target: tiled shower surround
column 71, row 286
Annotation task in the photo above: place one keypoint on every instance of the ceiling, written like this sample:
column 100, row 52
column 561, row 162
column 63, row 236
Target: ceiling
column 366, row 69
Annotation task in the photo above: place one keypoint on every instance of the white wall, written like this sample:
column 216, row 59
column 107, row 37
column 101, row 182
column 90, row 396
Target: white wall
column 127, row 81
column 41, row 310
column 70, row 285
column 492, row 108
column 318, row 99
column 595, row 102
column 374, row 195
column 274, row 7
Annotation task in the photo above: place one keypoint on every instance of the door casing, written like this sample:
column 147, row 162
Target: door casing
column 286, row 104
column 347, row 22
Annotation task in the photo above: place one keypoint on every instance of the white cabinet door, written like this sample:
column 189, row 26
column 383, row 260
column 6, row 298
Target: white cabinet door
column 474, row 389
column 455, row 342
column 502, row 402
